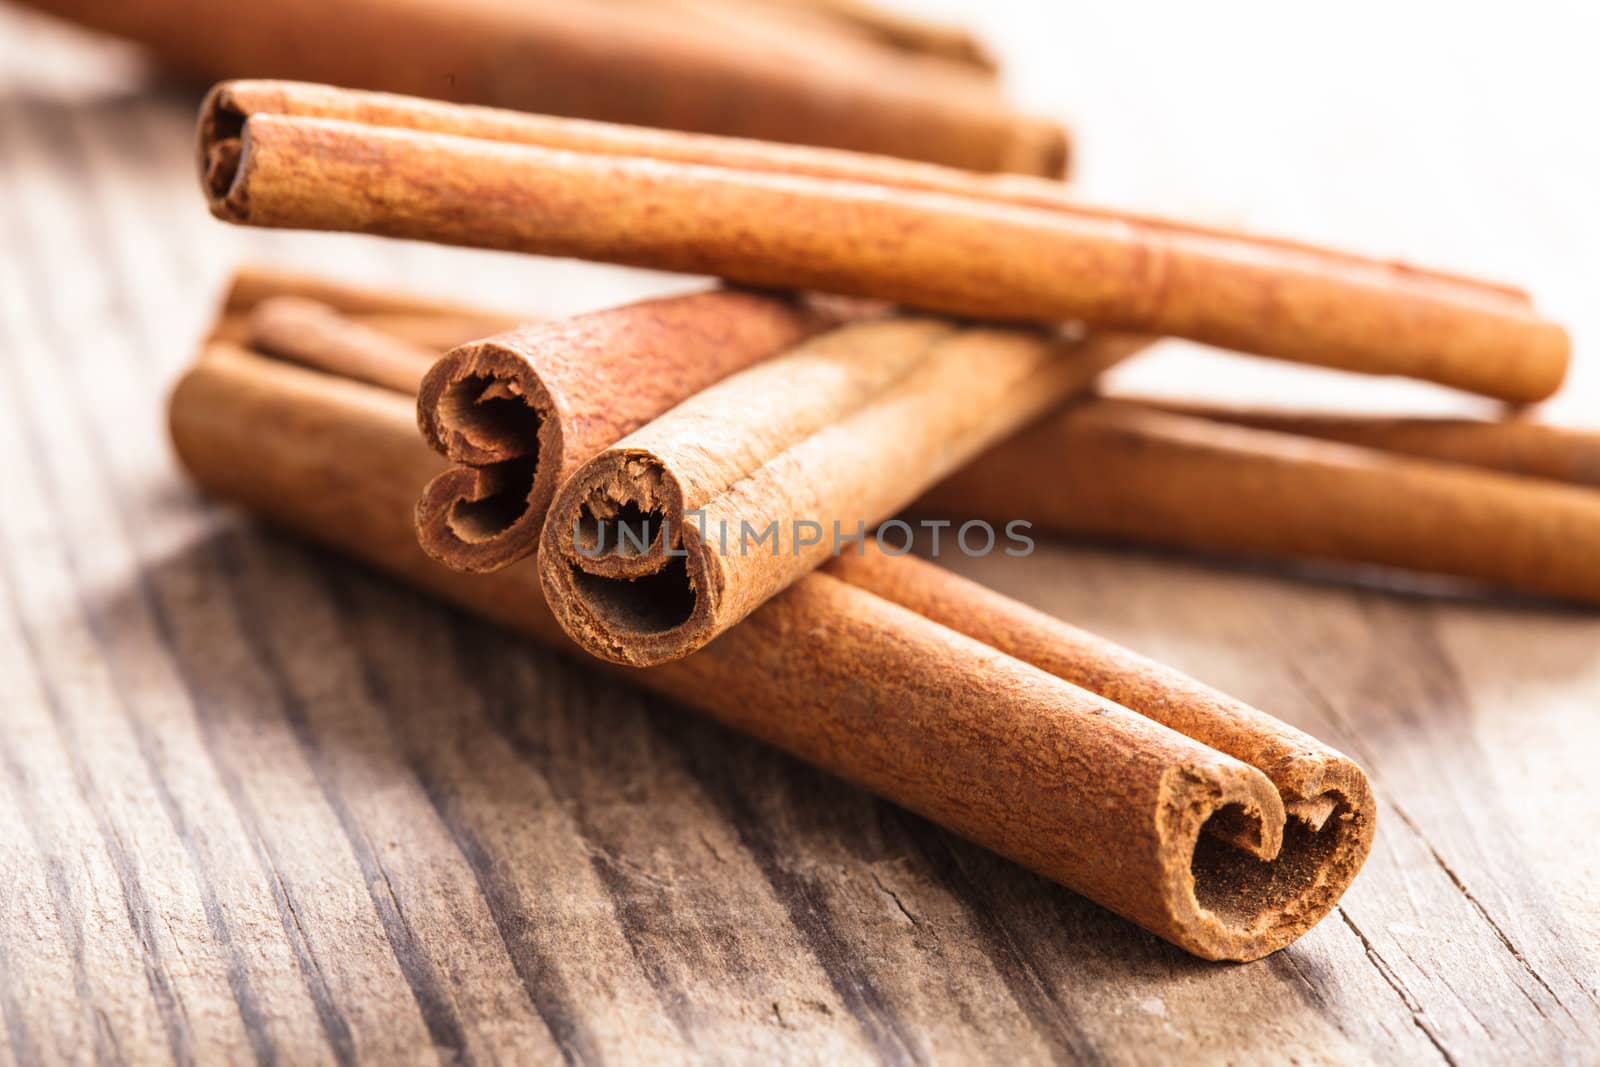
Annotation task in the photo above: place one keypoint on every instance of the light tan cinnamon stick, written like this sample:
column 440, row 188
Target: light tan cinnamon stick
column 839, row 40
column 681, row 529
column 633, row 61
column 424, row 331
column 424, row 321
column 520, row 411
column 231, row 104
column 1190, row 842
column 254, row 282
column 1123, row 470
column 902, row 30
column 963, row 255
column 316, row 335
column 1514, row 445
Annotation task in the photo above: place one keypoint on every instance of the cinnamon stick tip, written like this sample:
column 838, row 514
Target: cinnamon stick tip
column 479, row 520
column 1560, row 360
column 483, row 405
column 609, row 568
column 1039, row 146
column 273, row 313
column 1230, row 900
column 221, row 148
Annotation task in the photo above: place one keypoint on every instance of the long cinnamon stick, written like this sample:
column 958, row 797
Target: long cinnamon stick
column 1117, row 469
column 316, row 335
column 964, row 254
column 1514, row 445
column 681, row 529
column 424, row 321
column 231, row 104
column 1190, row 842
column 521, row 410
column 252, row 283
column 630, row 61
column 902, row 30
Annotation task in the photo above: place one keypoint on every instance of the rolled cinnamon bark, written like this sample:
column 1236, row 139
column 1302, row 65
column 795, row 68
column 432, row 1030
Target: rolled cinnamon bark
column 679, row 530
column 1186, row 840
column 1514, row 445
column 1296, row 763
column 962, row 255
column 316, row 335
column 231, row 104
column 1123, row 470
column 520, row 411
column 901, row 30
column 635, row 62
column 255, row 282
column 434, row 334
column 424, row 321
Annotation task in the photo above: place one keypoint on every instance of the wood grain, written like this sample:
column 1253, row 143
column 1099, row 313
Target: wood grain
column 238, row 822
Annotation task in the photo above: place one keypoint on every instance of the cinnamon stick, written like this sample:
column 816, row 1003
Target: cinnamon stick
column 425, row 321
column 521, row 410
column 1122, row 470
column 1514, row 445
column 230, row 105
column 839, row 35
column 963, row 255
column 254, row 282
column 632, row 61
column 679, row 530
column 1192, row 843
column 1022, row 479
column 316, row 335
column 901, row 30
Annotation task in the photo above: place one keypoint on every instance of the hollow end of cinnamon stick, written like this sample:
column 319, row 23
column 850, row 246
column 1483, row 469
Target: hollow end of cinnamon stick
column 623, row 566
column 1227, row 902
column 483, row 406
column 220, row 147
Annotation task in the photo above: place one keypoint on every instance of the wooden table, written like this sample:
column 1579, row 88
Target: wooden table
column 239, row 821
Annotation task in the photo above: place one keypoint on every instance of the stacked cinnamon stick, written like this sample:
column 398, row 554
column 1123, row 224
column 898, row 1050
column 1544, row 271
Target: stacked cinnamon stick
column 663, row 485
column 1205, row 821
column 288, row 155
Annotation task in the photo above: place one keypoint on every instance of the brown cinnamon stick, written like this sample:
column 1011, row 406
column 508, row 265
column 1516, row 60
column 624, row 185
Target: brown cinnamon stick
column 1190, row 842
column 963, row 255
column 1122, row 470
column 520, row 411
column 681, row 529
column 254, row 282
column 632, row 61
column 424, row 321
column 902, row 30
column 316, row 335
column 1514, row 445
column 231, row 104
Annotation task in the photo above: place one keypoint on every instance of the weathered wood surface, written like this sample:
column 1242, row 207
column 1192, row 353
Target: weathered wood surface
column 239, row 821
